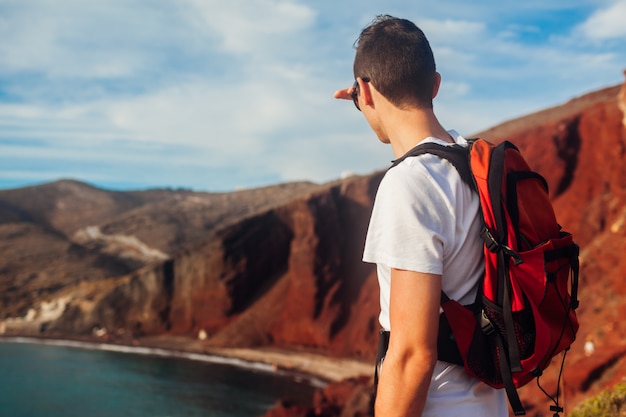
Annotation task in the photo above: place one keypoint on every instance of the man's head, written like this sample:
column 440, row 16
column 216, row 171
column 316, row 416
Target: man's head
column 395, row 56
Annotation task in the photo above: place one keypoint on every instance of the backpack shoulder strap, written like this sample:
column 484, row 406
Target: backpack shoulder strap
column 457, row 155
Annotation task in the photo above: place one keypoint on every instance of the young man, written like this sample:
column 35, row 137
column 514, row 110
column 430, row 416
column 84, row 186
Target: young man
column 423, row 233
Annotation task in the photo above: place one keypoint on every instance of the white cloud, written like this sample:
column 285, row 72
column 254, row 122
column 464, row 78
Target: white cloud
column 451, row 90
column 205, row 115
column 79, row 39
column 253, row 26
column 607, row 23
column 452, row 31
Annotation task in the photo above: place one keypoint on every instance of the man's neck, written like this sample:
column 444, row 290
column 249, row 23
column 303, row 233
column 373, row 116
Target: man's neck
column 406, row 128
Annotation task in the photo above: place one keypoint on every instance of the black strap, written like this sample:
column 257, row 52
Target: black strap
column 447, row 349
column 381, row 351
column 495, row 176
column 514, row 354
column 457, row 155
column 507, row 378
column 571, row 252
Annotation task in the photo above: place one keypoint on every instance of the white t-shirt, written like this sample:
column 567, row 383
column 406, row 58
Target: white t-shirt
column 426, row 219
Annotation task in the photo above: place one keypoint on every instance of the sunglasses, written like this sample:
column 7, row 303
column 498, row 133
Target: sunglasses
column 355, row 92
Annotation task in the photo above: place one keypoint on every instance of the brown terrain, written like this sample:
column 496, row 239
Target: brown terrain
column 274, row 274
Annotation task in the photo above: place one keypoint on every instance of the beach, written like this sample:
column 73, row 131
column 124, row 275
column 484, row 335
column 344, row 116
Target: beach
column 320, row 369
column 329, row 369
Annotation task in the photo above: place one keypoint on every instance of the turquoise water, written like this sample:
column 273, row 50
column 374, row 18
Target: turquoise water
column 59, row 381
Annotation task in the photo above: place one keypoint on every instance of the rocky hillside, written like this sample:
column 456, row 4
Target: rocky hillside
column 277, row 265
column 280, row 266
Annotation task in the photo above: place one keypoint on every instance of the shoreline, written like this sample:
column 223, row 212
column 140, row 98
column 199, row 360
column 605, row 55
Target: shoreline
column 316, row 369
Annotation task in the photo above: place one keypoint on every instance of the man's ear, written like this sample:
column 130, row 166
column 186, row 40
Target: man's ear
column 365, row 89
column 437, row 84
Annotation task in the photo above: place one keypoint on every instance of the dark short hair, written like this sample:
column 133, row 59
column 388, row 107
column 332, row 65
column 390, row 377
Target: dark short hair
column 396, row 57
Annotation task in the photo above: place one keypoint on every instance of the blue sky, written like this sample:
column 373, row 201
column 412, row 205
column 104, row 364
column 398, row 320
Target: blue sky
column 216, row 95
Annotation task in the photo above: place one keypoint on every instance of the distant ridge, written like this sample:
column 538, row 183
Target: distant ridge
column 551, row 114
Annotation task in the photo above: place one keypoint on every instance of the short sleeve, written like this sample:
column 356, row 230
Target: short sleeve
column 410, row 220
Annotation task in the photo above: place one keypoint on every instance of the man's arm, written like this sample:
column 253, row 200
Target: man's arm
column 412, row 354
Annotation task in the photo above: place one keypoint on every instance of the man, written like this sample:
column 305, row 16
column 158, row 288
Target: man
column 423, row 233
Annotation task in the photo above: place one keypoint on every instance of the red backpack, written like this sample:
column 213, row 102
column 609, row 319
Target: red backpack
column 524, row 313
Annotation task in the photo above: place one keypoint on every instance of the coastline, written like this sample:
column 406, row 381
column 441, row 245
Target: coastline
column 316, row 369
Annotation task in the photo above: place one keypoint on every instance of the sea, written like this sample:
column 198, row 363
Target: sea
column 73, row 379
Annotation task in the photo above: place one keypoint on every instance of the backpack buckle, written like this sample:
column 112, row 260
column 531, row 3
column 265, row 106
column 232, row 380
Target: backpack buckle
column 485, row 324
column 490, row 241
column 494, row 246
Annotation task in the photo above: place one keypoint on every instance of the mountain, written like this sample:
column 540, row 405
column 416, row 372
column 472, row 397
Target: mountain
column 280, row 266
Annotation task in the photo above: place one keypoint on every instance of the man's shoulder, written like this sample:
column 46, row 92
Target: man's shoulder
column 410, row 172
column 423, row 167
